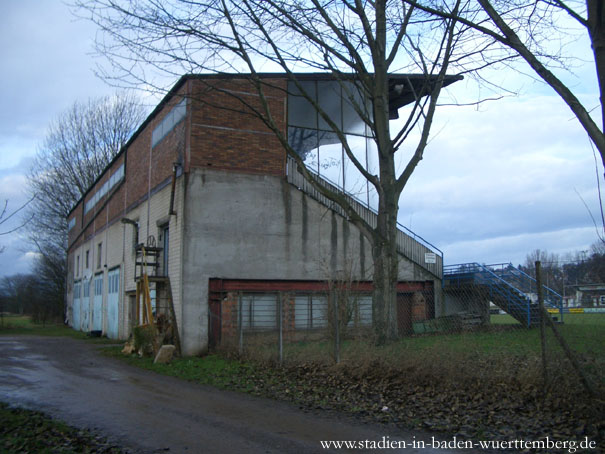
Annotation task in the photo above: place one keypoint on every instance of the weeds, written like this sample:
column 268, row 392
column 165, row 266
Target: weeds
column 26, row 431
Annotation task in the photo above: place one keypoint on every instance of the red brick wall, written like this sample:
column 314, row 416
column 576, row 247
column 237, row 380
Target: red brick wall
column 226, row 135
column 166, row 153
column 137, row 167
column 229, row 328
column 137, row 174
column 114, row 200
column 77, row 213
column 288, row 316
column 221, row 133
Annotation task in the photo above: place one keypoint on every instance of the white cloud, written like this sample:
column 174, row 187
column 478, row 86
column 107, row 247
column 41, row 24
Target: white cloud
column 514, row 248
column 510, row 170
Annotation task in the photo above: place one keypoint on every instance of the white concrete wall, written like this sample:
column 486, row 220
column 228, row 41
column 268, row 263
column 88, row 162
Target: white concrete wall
column 236, row 226
column 242, row 226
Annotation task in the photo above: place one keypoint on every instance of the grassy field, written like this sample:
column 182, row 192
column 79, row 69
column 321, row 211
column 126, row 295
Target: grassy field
column 12, row 324
column 492, row 347
column 568, row 319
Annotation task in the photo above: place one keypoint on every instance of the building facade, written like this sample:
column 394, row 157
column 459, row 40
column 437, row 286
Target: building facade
column 209, row 187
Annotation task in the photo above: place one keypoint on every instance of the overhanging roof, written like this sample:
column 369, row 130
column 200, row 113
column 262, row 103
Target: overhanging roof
column 404, row 89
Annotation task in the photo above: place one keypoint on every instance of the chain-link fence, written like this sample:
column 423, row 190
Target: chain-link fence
column 485, row 326
column 285, row 326
column 469, row 356
column 566, row 354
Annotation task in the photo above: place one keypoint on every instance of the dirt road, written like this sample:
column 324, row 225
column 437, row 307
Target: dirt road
column 148, row 413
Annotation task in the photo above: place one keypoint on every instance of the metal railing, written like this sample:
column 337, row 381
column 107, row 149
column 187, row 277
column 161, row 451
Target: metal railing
column 519, row 289
column 409, row 244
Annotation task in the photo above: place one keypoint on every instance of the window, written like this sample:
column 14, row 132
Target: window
column 310, row 311
column 113, row 281
column 77, row 290
column 86, row 288
column 87, row 261
column 362, row 315
column 135, row 239
column 99, row 255
column 71, row 224
column 169, row 122
column 77, row 265
column 98, row 285
column 259, row 312
column 316, row 141
column 114, row 179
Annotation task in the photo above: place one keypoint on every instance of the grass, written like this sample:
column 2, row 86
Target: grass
column 501, row 343
column 503, row 319
column 213, row 370
column 23, row 431
column 13, row 324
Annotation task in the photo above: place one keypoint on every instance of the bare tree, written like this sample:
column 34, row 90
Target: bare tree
column 553, row 274
column 77, row 148
column 538, row 33
column 530, row 30
column 5, row 219
column 359, row 44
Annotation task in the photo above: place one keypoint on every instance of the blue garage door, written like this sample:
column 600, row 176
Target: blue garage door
column 113, row 300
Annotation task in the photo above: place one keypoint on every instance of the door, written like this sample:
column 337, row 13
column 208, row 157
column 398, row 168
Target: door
column 75, row 308
column 404, row 314
column 97, row 308
column 113, row 300
column 85, row 306
column 214, row 323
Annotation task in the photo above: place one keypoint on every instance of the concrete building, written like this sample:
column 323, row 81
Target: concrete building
column 208, row 188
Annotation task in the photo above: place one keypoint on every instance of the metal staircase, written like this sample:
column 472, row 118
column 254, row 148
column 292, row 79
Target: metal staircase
column 509, row 288
column 409, row 244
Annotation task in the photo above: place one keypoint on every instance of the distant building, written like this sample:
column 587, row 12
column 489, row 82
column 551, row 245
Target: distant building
column 589, row 295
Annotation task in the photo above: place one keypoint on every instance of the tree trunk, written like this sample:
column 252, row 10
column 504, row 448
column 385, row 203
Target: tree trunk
column 384, row 298
column 386, row 265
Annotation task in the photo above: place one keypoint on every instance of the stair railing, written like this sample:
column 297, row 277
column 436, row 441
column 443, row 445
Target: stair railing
column 520, row 287
column 528, row 285
column 496, row 284
column 410, row 244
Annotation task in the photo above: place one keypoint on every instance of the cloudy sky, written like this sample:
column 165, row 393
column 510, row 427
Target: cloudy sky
column 46, row 68
column 497, row 181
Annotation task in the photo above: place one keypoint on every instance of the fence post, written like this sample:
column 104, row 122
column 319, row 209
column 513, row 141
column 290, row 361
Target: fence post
column 572, row 359
column 542, row 324
column 281, row 326
column 336, row 328
column 240, row 325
